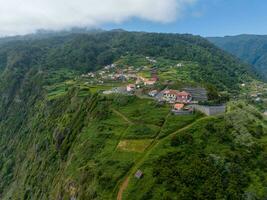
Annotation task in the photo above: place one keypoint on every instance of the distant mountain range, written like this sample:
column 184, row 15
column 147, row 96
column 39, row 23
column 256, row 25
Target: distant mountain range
column 250, row 48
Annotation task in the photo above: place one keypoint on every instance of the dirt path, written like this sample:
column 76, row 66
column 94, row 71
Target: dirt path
column 122, row 188
column 122, row 116
column 155, row 143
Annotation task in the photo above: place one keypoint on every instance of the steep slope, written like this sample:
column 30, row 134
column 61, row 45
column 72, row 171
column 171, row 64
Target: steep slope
column 213, row 158
column 82, row 144
column 250, row 48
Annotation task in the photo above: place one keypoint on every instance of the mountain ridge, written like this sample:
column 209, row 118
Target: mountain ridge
column 249, row 48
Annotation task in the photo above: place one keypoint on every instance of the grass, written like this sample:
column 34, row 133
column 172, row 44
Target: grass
column 145, row 111
column 175, row 122
column 138, row 131
column 184, row 73
column 209, row 136
column 56, row 90
column 134, row 145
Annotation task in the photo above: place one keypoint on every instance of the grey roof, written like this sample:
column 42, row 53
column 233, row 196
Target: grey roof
column 138, row 174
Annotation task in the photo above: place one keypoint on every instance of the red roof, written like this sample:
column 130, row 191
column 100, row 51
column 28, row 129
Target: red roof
column 183, row 94
column 154, row 79
column 178, row 106
column 174, row 92
column 131, row 86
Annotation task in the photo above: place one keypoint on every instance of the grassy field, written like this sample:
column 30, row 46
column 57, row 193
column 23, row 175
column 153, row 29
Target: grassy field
column 145, row 111
column 134, row 145
column 193, row 161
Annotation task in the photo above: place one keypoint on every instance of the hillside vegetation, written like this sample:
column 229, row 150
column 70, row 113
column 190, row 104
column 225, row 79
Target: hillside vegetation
column 249, row 48
column 62, row 139
column 89, row 52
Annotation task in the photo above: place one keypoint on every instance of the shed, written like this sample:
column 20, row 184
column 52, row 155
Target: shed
column 138, row 174
column 178, row 106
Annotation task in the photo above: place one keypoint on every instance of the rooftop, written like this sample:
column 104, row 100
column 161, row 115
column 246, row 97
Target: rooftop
column 178, row 106
column 138, row 174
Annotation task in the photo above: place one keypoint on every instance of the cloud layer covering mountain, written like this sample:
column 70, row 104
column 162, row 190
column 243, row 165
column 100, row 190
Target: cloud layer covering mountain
column 25, row 16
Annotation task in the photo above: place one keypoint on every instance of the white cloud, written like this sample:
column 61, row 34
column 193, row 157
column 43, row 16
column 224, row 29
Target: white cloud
column 25, row 16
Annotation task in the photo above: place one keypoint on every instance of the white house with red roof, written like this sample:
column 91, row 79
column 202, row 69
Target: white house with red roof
column 173, row 96
column 184, row 97
column 170, row 95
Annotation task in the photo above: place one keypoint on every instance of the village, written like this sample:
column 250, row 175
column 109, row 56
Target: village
column 144, row 82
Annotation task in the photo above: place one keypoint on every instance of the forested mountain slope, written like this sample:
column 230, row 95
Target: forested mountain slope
column 85, row 52
column 83, row 145
column 249, row 48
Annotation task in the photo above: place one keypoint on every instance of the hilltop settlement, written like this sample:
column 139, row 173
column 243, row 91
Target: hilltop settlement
column 146, row 82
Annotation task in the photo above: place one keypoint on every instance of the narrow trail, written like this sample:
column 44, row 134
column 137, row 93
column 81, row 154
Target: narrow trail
column 122, row 116
column 122, row 188
column 153, row 145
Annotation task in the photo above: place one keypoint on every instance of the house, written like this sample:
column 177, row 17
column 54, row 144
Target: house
column 258, row 99
column 150, row 81
column 184, row 97
column 130, row 87
column 110, row 66
column 180, row 109
column 153, row 93
column 265, row 113
column 170, row 95
column 138, row 174
column 151, row 60
column 173, row 96
column 146, row 81
column 178, row 106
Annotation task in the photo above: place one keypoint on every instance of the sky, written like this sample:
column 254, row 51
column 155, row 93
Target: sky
column 199, row 17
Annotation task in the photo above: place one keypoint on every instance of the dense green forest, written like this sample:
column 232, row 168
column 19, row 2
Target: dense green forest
column 249, row 48
column 88, row 52
column 86, row 145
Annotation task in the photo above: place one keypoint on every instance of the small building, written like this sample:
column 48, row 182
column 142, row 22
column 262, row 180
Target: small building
column 254, row 95
column 130, row 87
column 180, row 109
column 173, row 96
column 153, row 93
column 184, row 97
column 151, row 81
column 170, row 95
column 258, row 99
column 138, row 174
column 265, row 113
column 178, row 106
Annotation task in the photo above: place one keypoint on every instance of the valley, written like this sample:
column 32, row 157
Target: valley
column 116, row 115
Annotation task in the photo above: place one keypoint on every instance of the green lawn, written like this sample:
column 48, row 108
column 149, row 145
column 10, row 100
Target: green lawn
column 145, row 111
column 134, row 145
